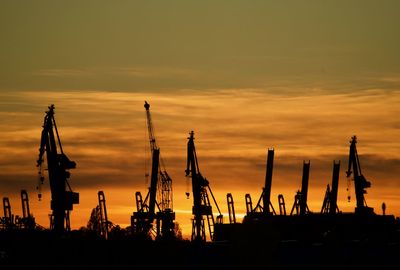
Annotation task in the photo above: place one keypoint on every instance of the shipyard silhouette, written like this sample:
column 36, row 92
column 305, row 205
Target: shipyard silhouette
column 267, row 238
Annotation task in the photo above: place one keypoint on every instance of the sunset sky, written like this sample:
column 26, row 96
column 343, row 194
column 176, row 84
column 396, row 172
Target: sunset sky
column 299, row 76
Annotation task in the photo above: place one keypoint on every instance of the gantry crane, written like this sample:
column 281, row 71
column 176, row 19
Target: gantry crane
column 264, row 206
column 300, row 206
column 27, row 221
column 329, row 205
column 360, row 183
column 58, row 166
column 159, row 194
column 201, row 201
column 7, row 221
column 98, row 221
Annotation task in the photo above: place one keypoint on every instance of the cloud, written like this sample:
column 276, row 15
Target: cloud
column 143, row 72
column 104, row 132
column 63, row 72
column 154, row 72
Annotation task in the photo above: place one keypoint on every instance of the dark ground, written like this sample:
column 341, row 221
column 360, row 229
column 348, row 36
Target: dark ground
column 42, row 250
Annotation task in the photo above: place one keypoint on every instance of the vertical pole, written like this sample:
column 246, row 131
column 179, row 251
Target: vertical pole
column 154, row 180
column 282, row 207
column 268, row 181
column 304, row 188
column 335, row 186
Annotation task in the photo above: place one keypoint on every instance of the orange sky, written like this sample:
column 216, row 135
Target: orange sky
column 299, row 76
column 104, row 132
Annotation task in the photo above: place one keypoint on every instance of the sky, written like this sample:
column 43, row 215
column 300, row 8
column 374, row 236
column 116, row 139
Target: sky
column 299, row 76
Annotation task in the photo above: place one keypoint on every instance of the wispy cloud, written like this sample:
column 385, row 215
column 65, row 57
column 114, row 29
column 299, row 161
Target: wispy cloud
column 138, row 71
column 155, row 72
column 63, row 72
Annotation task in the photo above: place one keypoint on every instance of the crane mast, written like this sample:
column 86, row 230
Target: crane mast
column 360, row 183
column 201, row 201
column 58, row 166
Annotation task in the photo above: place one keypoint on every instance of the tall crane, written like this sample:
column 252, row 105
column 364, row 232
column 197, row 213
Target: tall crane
column 360, row 183
column 58, row 166
column 201, row 201
column 142, row 220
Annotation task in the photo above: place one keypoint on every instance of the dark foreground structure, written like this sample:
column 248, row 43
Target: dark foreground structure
column 44, row 250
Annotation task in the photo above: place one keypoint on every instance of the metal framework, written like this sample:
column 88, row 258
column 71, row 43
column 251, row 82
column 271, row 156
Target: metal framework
column 201, row 202
column 231, row 208
column 249, row 203
column 329, row 205
column 267, row 207
column 159, row 194
column 7, row 221
column 300, row 206
column 104, row 223
column 27, row 221
column 58, row 166
column 282, row 206
column 360, row 182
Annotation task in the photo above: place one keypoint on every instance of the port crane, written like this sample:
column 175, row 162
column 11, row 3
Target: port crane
column 201, row 201
column 27, row 221
column 98, row 221
column 300, row 206
column 264, row 206
column 58, row 166
column 142, row 220
column 329, row 205
column 7, row 222
column 360, row 183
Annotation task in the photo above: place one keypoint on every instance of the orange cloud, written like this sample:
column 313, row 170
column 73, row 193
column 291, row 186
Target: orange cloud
column 104, row 132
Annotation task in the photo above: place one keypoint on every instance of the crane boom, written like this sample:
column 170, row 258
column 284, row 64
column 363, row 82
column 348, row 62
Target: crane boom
column 58, row 166
column 150, row 128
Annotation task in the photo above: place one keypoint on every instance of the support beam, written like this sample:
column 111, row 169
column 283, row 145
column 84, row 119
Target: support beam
column 282, row 206
column 268, row 182
column 249, row 203
column 103, row 214
column 304, row 188
column 231, row 208
column 335, row 187
column 154, row 180
column 25, row 204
